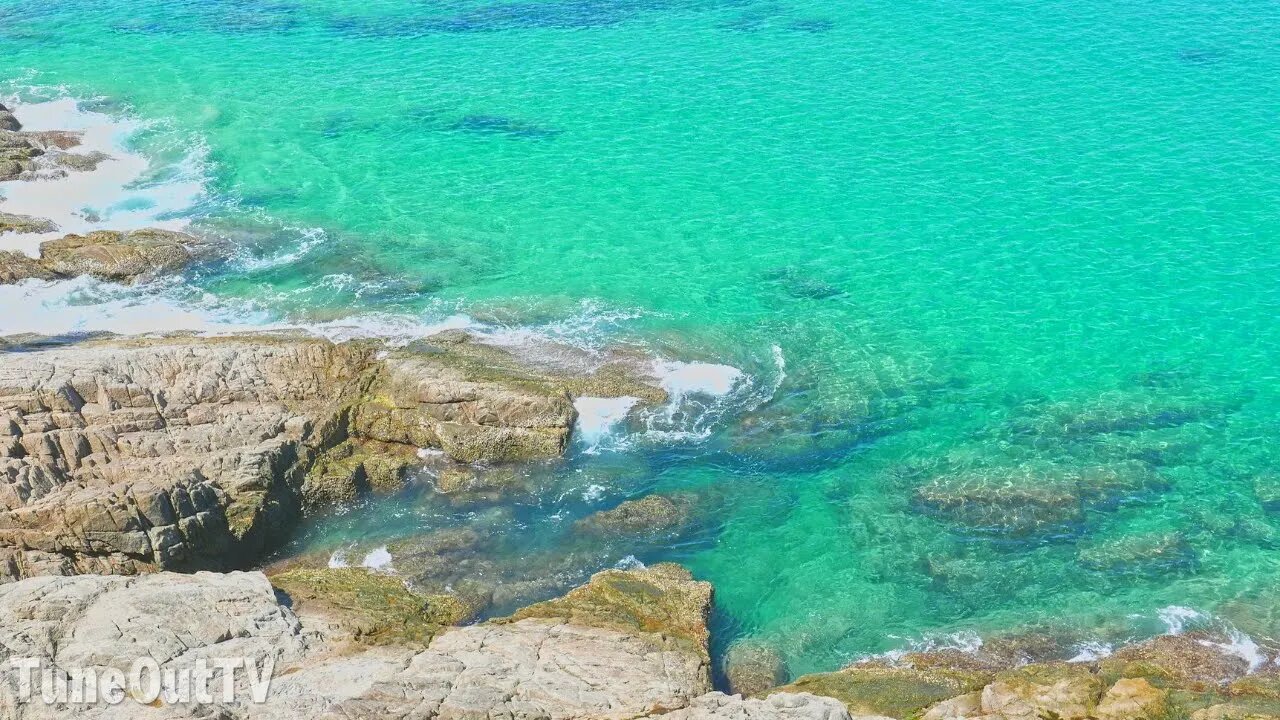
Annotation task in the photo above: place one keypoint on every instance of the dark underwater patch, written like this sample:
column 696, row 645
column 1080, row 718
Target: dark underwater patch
column 1199, row 56
column 502, row 125
column 815, row 26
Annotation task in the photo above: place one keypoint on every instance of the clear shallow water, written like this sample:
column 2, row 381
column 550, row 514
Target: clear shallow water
column 984, row 238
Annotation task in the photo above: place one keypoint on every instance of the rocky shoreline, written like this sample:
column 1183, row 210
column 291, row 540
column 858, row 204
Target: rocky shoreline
column 133, row 467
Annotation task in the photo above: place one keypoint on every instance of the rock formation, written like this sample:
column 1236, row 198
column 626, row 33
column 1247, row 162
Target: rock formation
column 106, row 255
column 130, row 455
column 605, row 651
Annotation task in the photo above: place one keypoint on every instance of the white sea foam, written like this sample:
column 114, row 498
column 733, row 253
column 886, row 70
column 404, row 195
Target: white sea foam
column 630, row 562
column 337, row 560
column 681, row 379
column 124, row 192
column 598, row 420
column 1091, row 651
column 1176, row 618
column 379, row 559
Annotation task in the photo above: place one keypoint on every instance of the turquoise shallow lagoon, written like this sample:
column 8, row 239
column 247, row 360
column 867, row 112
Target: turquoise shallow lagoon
column 1002, row 277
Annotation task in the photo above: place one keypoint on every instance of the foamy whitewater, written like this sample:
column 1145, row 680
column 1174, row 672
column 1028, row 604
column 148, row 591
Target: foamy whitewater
column 124, row 192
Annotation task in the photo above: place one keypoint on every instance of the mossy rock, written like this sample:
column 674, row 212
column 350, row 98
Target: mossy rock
column 1175, row 661
column 899, row 692
column 1066, row 691
column 353, row 468
column 377, row 608
column 648, row 516
column 663, row 600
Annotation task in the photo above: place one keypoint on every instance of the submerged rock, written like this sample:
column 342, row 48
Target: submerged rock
column 751, row 667
column 1033, row 501
column 648, row 516
column 1147, row 553
column 1008, row 502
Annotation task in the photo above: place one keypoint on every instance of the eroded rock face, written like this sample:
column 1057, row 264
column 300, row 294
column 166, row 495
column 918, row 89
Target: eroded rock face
column 541, row 667
column 126, row 456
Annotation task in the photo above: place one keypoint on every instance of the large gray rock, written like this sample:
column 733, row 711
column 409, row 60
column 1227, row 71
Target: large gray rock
column 533, row 667
column 121, row 455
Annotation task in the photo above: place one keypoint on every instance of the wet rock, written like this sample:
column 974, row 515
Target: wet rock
column 24, row 224
column 663, row 599
column 752, row 667
column 876, row 689
column 1182, row 661
column 1130, row 699
column 373, row 609
column 649, row 516
column 1147, row 553
column 1033, row 692
column 117, row 256
column 354, row 468
column 16, row 267
column 8, row 121
column 474, row 412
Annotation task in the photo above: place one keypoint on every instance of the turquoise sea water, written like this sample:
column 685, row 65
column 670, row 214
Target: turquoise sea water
column 1022, row 253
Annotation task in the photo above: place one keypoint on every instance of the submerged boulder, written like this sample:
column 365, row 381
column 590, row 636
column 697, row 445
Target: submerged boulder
column 648, row 516
column 1033, row 500
column 1145, row 553
column 751, row 667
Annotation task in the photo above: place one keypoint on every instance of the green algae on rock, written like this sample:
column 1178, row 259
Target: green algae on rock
column 663, row 599
column 878, row 689
column 376, row 609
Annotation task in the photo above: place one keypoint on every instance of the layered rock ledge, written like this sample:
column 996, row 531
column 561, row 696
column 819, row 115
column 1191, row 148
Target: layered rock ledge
column 122, row 455
column 617, row 648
